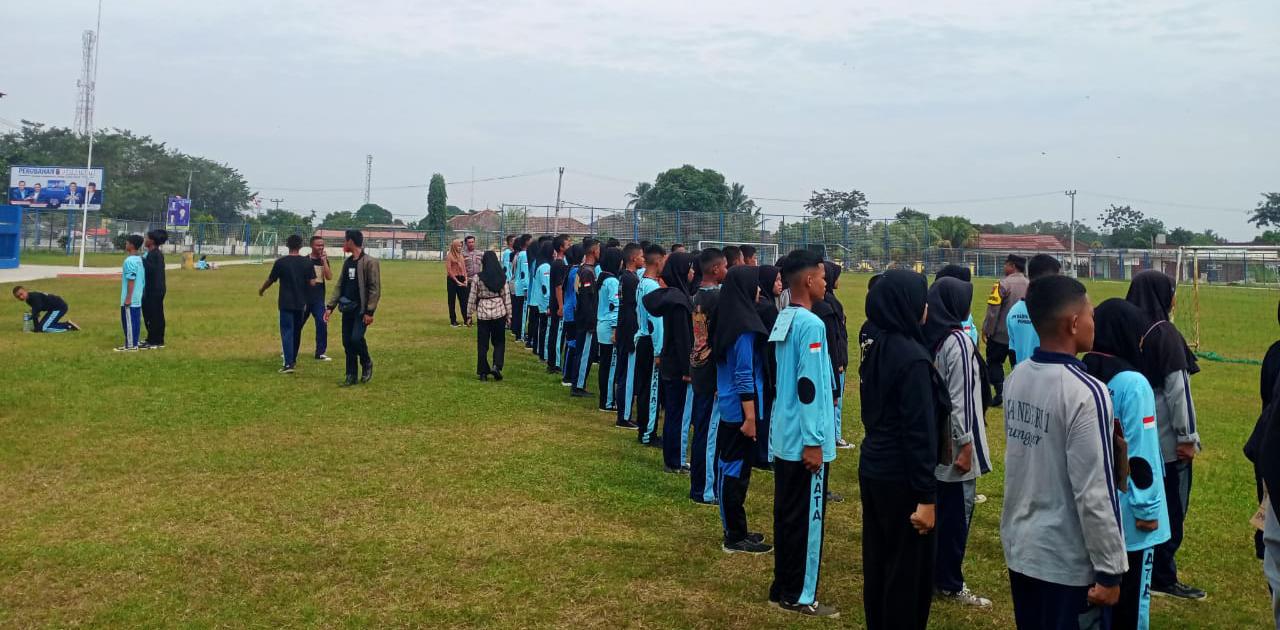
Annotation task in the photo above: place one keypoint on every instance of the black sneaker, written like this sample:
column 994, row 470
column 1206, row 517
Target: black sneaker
column 1179, row 590
column 811, row 610
column 351, row 380
column 366, row 372
column 656, row 442
column 746, row 545
column 579, row 393
column 755, row 537
column 288, row 369
column 497, row 376
column 626, row 424
column 834, row 497
column 670, row 471
column 702, row 502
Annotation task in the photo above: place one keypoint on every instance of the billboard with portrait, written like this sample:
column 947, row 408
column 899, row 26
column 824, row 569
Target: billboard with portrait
column 178, row 213
column 55, row 186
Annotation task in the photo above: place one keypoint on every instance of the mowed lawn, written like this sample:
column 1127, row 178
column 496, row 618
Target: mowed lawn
column 195, row 486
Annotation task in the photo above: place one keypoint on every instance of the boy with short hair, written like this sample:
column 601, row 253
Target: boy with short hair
column 804, row 439
column 628, row 324
column 133, row 281
column 1060, row 526
column 297, row 275
column 47, row 310
column 705, row 415
column 518, row 275
column 1023, row 339
column 648, row 347
column 153, row 294
column 732, row 256
column 749, row 255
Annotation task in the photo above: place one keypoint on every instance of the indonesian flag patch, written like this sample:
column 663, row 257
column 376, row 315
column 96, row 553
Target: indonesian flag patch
column 1149, row 422
column 815, row 347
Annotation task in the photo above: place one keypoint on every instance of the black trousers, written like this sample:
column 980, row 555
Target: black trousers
column 677, row 405
column 954, row 512
column 531, row 326
column 569, row 362
column 490, row 332
column 153, row 318
column 997, row 354
column 624, row 386
column 799, row 518
column 353, row 342
column 735, row 453
column 517, row 315
column 897, row 562
column 1177, row 496
column 646, row 391
column 608, row 374
column 459, row 294
column 1040, row 605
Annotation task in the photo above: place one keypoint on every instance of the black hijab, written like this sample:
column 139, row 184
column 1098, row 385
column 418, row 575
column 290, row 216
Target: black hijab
column 1117, row 339
column 1164, row 351
column 767, row 304
column 949, row 302
column 736, row 312
column 610, row 263
column 896, row 303
column 573, row 257
column 832, row 273
column 959, row 272
column 675, row 273
column 491, row 272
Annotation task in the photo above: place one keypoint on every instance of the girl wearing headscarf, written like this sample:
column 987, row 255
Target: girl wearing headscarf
column 519, row 279
column 534, row 251
column 767, row 307
column 960, row 272
column 542, row 281
column 738, row 335
column 490, row 305
column 673, row 305
column 904, row 408
column 456, row 270
column 607, row 325
column 1168, row 363
column 832, row 313
column 568, row 277
column 1117, row 338
column 955, row 358
column 1263, row 450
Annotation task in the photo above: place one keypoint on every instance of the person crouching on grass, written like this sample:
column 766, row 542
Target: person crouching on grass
column 133, row 281
column 804, row 439
column 904, row 411
column 1060, row 527
column 956, row 360
column 47, row 310
column 490, row 307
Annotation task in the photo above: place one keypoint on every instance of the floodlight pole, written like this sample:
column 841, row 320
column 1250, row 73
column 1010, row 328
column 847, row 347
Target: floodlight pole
column 558, row 184
column 84, row 206
column 1072, row 194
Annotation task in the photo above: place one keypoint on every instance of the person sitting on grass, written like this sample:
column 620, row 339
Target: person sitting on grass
column 204, row 265
column 47, row 310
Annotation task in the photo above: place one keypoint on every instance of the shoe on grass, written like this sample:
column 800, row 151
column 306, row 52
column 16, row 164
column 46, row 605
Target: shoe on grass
column 843, row 444
column 351, row 380
column 288, row 369
column 323, row 357
column 811, row 610
column 746, row 545
column 366, row 372
column 579, row 393
column 964, row 597
column 834, row 497
column 496, row 374
column 979, row 498
column 126, row 349
column 72, row 325
column 626, row 424
column 755, row 537
column 1179, row 590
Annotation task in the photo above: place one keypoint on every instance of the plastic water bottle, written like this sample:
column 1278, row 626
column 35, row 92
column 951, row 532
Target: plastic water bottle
column 27, row 324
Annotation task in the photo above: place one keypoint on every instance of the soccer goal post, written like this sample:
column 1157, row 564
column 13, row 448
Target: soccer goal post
column 766, row 253
column 1200, row 266
column 265, row 247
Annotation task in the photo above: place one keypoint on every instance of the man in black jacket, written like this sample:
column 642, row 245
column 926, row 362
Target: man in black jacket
column 154, row 290
column 47, row 310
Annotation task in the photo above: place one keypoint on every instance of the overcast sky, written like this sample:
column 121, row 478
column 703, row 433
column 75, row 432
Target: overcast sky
column 1166, row 101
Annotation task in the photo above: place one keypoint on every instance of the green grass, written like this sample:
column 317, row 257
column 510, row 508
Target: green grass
column 195, row 486
column 95, row 259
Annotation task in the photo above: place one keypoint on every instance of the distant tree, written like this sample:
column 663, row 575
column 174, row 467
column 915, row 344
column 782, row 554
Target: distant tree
column 835, row 204
column 1269, row 237
column 911, row 214
column 437, row 203
column 341, row 219
column 641, row 197
column 1180, row 237
column 738, row 199
column 373, row 214
column 286, row 219
column 453, row 211
column 1268, row 211
column 955, row 231
column 689, row 188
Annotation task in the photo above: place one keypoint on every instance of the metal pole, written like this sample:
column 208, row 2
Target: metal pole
column 1072, row 194
column 559, row 182
column 84, row 207
column 190, row 175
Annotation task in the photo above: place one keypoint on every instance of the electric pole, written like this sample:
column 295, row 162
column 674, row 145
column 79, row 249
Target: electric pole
column 472, row 203
column 190, row 175
column 277, row 202
column 559, row 182
column 1072, row 194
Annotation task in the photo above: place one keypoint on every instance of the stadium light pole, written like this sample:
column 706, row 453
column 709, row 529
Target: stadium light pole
column 84, row 206
column 1072, row 194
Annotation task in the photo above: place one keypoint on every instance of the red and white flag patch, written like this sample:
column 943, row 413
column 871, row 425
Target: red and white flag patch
column 1149, row 422
column 815, row 347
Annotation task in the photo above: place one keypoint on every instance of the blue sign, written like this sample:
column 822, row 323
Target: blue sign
column 55, row 186
column 179, row 212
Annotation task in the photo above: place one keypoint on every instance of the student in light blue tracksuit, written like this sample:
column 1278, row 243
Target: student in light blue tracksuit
column 1118, row 328
column 648, row 346
column 518, row 272
column 803, row 438
column 606, row 327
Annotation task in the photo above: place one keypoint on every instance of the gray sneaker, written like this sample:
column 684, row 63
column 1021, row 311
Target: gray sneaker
column 964, row 597
column 811, row 610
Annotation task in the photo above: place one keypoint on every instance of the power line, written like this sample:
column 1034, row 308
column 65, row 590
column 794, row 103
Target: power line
column 403, row 187
column 955, row 201
column 1173, row 204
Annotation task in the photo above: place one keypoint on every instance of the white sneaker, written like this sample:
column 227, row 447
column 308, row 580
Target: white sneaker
column 843, row 444
column 979, row 498
column 964, row 597
column 126, row 349
column 323, row 357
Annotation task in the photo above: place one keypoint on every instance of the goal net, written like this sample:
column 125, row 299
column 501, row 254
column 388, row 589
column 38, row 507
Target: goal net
column 265, row 247
column 1211, row 270
column 766, row 253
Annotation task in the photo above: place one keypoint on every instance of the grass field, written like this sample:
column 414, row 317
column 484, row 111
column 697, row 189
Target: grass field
column 96, row 259
column 194, row 486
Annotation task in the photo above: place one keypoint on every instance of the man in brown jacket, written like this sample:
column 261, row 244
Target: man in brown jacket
column 1009, row 291
column 356, row 295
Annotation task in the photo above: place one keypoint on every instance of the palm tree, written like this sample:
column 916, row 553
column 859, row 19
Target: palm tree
column 957, row 231
column 638, row 200
column 738, row 199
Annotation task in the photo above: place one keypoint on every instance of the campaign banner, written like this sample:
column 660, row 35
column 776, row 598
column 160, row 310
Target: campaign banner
column 179, row 212
column 55, row 186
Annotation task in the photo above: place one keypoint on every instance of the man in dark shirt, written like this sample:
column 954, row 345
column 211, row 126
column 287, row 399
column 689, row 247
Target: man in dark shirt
column 628, row 324
column 555, row 307
column 153, row 291
column 296, row 275
column 315, row 296
column 47, row 310
column 702, row 372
